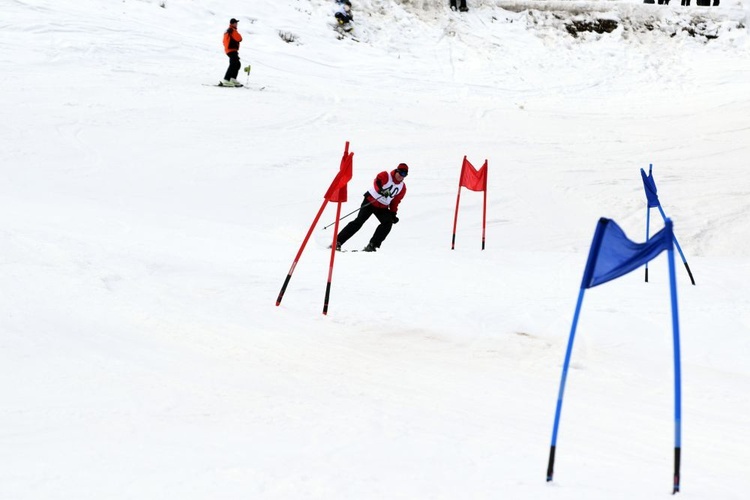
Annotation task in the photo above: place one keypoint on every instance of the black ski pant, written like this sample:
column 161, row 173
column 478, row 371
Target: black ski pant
column 463, row 4
column 342, row 18
column 366, row 210
column 234, row 65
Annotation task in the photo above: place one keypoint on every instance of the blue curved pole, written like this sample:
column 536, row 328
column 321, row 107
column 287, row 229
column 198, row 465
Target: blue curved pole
column 561, row 392
column 679, row 249
column 677, row 373
column 648, row 222
column 648, row 219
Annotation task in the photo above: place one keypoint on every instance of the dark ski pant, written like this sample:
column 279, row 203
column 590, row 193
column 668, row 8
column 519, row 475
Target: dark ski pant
column 366, row 210
column 234, row 65
column 462, row 6
column 342, row 18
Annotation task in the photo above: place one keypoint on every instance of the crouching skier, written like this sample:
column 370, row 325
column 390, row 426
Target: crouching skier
column 381, row 200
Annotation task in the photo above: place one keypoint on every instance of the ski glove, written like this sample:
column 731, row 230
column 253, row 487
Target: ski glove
column 394, row 218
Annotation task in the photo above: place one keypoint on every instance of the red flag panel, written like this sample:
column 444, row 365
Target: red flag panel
column 337, row 191
column 473, row 179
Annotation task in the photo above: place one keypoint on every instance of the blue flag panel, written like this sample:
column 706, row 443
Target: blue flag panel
column 613, row 255
column 650, row 186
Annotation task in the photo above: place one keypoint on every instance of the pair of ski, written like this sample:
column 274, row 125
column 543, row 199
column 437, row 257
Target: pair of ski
column 247, row 70
column 240, row 86
column 341, row 250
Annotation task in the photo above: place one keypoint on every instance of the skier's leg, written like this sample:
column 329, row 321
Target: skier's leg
column 228, row 74
column 235, row 64
column 350, row 229
column 386, row 223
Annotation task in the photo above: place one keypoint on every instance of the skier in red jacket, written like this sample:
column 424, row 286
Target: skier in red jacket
column 381, row 200
column 232, row 39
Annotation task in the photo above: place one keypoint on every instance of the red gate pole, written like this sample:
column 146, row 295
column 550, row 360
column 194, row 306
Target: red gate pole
column 455, row 219
column 458, row 197
column 484, row 204
column 333, row 254
column 299, row 253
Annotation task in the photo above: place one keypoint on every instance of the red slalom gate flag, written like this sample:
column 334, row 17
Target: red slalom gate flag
column 473, row 179
column 337, row 193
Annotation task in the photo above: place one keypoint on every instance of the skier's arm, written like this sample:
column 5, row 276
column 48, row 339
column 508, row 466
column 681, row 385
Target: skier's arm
column 236, row 35
column 380, row 179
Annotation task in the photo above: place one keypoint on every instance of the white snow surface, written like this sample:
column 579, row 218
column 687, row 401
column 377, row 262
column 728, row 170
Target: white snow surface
column 148, row 222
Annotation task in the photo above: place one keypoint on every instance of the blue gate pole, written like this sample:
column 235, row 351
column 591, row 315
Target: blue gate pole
column 677, row 373
column 648, row 218
column 677, row 244
column 566, row 364
column 648, row 221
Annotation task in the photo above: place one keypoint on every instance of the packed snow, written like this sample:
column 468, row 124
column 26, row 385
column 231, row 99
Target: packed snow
column 150, row 218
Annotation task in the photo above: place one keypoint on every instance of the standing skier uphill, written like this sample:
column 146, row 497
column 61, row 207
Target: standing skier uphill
column 232, row 39
column 381, row 200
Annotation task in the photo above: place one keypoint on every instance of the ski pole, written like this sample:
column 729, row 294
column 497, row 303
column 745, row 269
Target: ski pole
column 353, row 211
column 247, row 70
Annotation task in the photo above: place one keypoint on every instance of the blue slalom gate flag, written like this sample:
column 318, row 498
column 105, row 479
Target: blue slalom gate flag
column 652, row 200
column 613, row 255
column 650, row 186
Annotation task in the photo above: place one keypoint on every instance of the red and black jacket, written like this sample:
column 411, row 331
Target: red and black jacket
column 232, row 39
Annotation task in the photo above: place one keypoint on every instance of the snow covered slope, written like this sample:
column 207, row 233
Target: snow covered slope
column 147, row 222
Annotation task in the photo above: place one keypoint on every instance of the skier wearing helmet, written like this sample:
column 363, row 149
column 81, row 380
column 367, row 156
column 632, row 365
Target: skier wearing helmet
column 381, row 200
